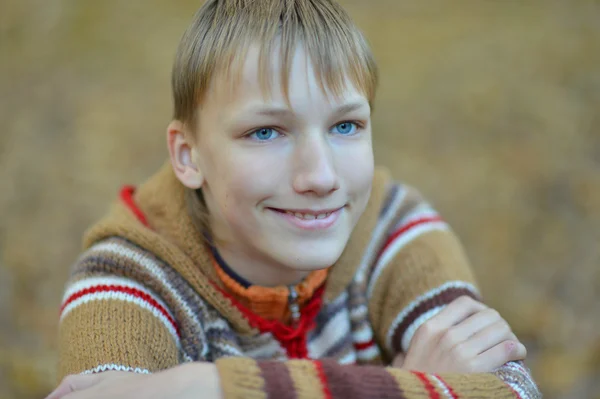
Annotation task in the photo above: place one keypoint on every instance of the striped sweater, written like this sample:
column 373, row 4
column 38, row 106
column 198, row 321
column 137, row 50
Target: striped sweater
column 144, row 296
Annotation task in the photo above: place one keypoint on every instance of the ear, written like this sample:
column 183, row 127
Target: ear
column 184, row 157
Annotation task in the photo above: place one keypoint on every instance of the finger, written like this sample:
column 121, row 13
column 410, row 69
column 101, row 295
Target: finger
column 461, row 334
column 500, row 354
column 457, row 311
column 74, row 383
column 475, row 323
column 489, row 337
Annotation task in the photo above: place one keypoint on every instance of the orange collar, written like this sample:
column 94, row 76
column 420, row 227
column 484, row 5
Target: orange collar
column 270, row 303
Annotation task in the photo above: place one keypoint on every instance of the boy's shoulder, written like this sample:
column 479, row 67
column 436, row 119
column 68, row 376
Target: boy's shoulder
column 115, row 255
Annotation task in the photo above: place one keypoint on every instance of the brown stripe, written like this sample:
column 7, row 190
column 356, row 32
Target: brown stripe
column 278, row 382
column 356, row 382
column 443, row 298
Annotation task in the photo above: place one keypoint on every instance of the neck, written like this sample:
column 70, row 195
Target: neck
column 258, row 270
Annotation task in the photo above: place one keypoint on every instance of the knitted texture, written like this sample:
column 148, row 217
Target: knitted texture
column 145, row 296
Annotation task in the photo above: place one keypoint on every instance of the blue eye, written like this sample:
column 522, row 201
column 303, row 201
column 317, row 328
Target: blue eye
column 264, row 134
column 345, row 128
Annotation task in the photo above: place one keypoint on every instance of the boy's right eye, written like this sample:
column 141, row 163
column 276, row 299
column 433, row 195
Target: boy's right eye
column 264, row 134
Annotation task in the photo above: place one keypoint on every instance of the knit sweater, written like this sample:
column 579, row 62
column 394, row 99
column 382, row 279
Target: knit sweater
column 145, row 296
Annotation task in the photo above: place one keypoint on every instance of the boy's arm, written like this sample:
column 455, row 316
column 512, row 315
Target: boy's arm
column 421, row 269
column 236, row 378
column 111, row 323
column 248, row 378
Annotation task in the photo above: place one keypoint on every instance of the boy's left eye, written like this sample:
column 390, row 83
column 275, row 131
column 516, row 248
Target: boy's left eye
column 345, row 128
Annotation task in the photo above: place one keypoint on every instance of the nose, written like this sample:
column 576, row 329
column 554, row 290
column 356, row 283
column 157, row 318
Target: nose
column 315, row 170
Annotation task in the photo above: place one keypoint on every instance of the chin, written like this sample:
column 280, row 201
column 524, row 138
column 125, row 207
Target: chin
column 315, row 259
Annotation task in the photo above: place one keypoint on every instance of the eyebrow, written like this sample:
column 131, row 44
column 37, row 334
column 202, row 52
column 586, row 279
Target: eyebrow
column 284, row 111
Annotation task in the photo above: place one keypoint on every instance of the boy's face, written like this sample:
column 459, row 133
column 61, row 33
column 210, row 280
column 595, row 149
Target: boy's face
column 284, row 185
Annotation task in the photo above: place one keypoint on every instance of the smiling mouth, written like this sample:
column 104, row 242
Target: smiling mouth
column 308, row 215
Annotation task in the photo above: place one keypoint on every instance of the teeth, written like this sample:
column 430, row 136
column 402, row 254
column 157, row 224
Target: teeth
column 308, row 216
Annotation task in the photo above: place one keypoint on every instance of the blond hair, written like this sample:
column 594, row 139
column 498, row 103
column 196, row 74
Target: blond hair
column 222, row 31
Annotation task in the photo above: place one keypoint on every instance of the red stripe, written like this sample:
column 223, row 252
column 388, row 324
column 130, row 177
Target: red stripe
column 433, row 394
column 127, row 290
column 448, row 387
column 323, row 378
column 359, row 346
column 405, row 227
column 127, row 197
column 515, row 392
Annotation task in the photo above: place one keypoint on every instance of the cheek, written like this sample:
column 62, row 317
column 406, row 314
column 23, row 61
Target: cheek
column 245, row 183
column 356, row 166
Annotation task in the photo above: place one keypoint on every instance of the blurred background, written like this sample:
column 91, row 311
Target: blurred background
column 491, row 108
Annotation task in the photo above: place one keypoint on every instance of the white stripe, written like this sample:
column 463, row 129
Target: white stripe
column 395, row 246
column 380, row 230
column 349, row 358
column 412, row 329
column 515, row 385
column 423, row 210
column 363, row 335
column 111, row 280
column 511, row 380
column 442, row 385
column 216, row 323
column 359, row 312
column 368, row 353
column 516, row 367
column 334, row 331
column 159, row 274
column 229, row 349
column 122, row 296
column 267, row 351
column 342, row 298
column 115, row 367
column 420, row 299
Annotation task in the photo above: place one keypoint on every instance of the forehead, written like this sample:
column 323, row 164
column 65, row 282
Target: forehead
column 256, row 79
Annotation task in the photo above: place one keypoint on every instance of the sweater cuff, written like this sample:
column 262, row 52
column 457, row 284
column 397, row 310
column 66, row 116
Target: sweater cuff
column 315, row 379
column 240, row 377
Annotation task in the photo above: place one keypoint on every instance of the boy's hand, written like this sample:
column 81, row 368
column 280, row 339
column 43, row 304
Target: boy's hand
column 181, row 382
column 465, row 337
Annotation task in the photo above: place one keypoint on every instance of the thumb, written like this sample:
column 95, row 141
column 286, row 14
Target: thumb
column 75, row 382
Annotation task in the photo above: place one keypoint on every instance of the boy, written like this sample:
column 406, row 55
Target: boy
column 271, row 236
